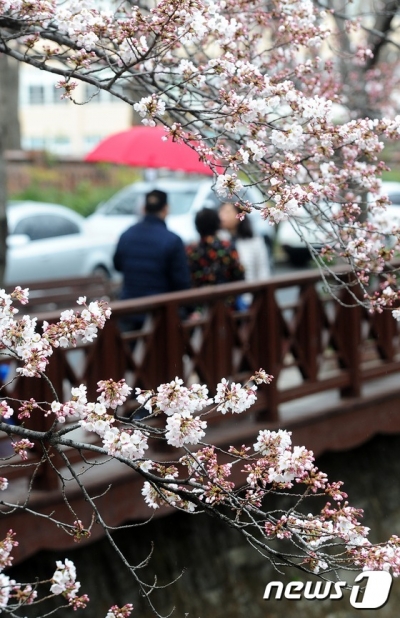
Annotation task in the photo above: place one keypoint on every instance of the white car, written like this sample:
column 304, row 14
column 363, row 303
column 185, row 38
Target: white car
column 49, row 241
column 391, row 215
column 295, row 245
column 185, row 198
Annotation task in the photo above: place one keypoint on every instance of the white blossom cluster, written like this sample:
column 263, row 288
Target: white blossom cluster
column 173, row 398
column 180, row 403
column 283, row 464
column 155, row 498
column 184, row 429
column 94, row 417
column 80, row 19
column 316, row 531
column 128, row 444
column 6, row 585
column 43, row 10
column 34, row 349
column 234, row 397
column 5, row 410
column 271, row 442
column 290, row 137
column 9, row 588
column 148, row 108
column 64, row 578
column 228, row 184
column 113, row 394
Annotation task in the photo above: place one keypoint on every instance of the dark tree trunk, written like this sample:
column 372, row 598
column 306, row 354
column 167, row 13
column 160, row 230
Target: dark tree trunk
column 9, row 139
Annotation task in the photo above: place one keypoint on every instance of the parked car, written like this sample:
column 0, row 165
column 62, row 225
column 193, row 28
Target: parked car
column 391, row 215
column 185, row 198
column 295, row 245
column 47, row 241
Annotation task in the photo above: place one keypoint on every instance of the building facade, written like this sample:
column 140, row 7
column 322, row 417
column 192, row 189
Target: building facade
column 60, row 126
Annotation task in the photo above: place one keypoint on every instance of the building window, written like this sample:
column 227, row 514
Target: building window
column 90, row 141
column 36, row 95
column 59, row 145
column 33, row 143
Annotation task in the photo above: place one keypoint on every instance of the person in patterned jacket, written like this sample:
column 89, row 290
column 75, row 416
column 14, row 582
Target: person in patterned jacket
column 212, row 261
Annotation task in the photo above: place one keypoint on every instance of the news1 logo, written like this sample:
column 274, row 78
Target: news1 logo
column 374, row 590
column 370, row 590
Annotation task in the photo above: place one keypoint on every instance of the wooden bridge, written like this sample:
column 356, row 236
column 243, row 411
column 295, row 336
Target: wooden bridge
column 336, row 384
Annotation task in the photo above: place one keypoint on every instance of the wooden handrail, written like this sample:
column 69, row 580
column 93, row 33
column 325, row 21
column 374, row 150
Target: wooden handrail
column 311, row 344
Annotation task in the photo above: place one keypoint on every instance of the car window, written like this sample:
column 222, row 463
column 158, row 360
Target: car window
column 128, row 202
column 38, row 227
column 394, row 198
column 125, row 203
column 180, row 202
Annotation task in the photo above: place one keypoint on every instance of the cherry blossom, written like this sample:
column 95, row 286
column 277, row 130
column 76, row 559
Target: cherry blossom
column 6, row 547
column 113, row 394
column 155, row 498
column 251, row 86
column 5, row 410
column 228, row 184
column 120, row 612
column 128, row 444
column 148, row 108
column 21, row 448
column 234, row 397
column 271, row 464
column 184, row 429
column 64, row 583
column 5, row 589
column 175, row 398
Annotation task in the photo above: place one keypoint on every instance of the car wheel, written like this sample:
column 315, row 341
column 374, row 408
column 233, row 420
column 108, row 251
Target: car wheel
column 101, row 271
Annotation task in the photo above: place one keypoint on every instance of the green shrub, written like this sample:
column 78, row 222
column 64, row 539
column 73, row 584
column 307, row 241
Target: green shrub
column 46, row 184
column 393, row 175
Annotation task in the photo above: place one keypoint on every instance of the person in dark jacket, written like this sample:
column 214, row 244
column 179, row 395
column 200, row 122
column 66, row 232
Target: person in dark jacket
column 151, row 258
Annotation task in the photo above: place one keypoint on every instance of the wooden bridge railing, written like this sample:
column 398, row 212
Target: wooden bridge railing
column 310, row 343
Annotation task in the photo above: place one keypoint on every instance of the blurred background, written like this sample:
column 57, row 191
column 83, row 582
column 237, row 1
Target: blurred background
column 47, row 139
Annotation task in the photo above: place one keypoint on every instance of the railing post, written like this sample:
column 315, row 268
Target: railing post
column 308, row 332
column 223, row 343
column 46, row 477
column 349, row 333
column 173, row 343
column 267, row 331
column 213, row 357
column 168, row 345
column 385, row 330
column 108, row 358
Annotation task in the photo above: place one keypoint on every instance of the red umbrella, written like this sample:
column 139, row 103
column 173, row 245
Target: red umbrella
column 142, row 146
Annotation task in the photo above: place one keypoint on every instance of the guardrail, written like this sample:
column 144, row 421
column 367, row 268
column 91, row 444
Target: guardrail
column 55, row 294
column 311, row 344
